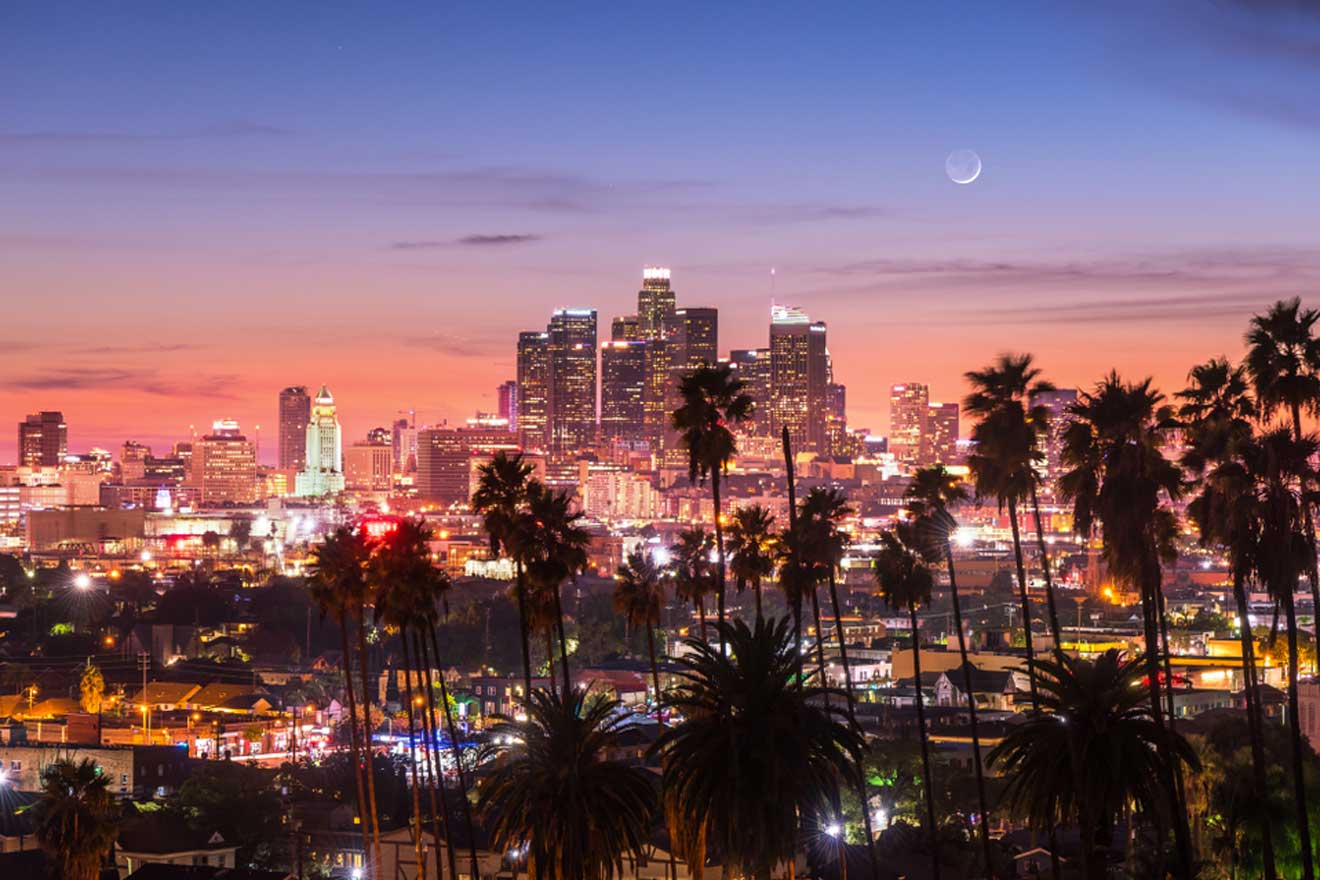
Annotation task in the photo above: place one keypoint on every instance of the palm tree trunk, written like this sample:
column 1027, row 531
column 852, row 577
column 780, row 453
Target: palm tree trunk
column 1051, row 608
column 563, row 644
column 820, row 643
column 701, row 614
column 1308, row 521
column 458, row 760
column 852, row 717
column 971, row 711
column 412, row 757
column 660, row 717
column 719, row 550
column 1254, row 726
column 521, row 587
column 756, row 585
column 370, row 765
column 550, row 659
column 928, row 785
column 1295, row 728
column 1026, row 602
column 433, row 765
column 356, row 747
column 793, row 548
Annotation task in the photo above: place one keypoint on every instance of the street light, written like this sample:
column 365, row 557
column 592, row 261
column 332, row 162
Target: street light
column 82, row 581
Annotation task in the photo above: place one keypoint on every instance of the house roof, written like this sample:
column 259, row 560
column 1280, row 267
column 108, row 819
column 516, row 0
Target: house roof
column 984, row 681
column 162, row 692
column 160, row 833
column 157, row 871
column 216, row 694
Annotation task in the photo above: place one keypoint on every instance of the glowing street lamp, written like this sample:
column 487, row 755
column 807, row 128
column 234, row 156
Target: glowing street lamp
column 82, row 581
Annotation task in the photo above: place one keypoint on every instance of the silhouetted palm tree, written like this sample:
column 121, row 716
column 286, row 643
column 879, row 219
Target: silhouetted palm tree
column 931, row 495
column 501, row 498
column 1119, row 477
column 556, row 546
column 752, row 549
column 1007, row 443
column 691, row 567
column 1092, row 753
column 905, row 581
column 1283, row 361
column 713, row 402
column 755, row 754
column 338, row 586
column 1280, row 466
column 639, row 594
column 553, row 789
column 75, row 819
column 1216, row 413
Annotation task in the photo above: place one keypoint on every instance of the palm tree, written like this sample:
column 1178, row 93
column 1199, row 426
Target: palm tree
column 931, row 494
column 556, row 546
column 690, row 565
column 752, row 548
column 1007, row 440
column 1216, row 413
column 553, row 789
column 756, row 754
column 638, row 596
column 905, row 581
column 1093, row 753
column 1281, row 468
column 337, row 583
column 75, row 818
column 1283, row 361
column 1119, row 477
column 823, row 513
column 500, row 498
column 713, row 401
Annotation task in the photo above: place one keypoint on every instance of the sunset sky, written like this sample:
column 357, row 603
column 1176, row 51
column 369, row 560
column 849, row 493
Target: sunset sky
column 203, row 203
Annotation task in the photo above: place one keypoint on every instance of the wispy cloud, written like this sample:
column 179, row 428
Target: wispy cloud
column 460, row 346
column 147, row 382
column 467, row 241
column 236, row 129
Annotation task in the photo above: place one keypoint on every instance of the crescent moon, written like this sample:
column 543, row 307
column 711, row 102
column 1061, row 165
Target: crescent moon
column 963, row 166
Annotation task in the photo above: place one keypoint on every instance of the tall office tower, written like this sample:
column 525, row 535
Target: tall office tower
column 368, row 466
column 696, row 332
column 622, row 389
column 752, row 366
column 939, row 439
column 323, row 474
column 133, row 460
column 655, row 326
column 836, row 420
column 224, row 466
column 533, row 388
column 655, row 304
column 908, row 403
column 43, row 439
column 295, row 413
column 624, row 328
column 508, row 403
column 403, row 439
column 447, row 459
column 799, row 376
column 572, row 343
column 1056, row 405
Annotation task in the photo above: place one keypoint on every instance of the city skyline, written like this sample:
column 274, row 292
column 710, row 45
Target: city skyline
column 222, row 192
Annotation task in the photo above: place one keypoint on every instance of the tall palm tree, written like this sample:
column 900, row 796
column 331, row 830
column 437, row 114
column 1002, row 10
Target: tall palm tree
column 931, row 495
column 556, row 548
column 1216, row 413
column 690, row 565
column 337, row 583
column 639, row 594
column 1095, row 750
column 823, row 513
column 752, row 549
column 553, row 789
column 812, row 545
column 1007, row 440
column 500, row 499
column 905, row 581
column 75, row 818
column 713, row 402
column 755, row 756
column 1283, row 361
column 1120, row 478
column 1281, row 468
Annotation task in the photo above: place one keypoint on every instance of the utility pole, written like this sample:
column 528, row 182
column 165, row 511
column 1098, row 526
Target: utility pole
column 144, row 662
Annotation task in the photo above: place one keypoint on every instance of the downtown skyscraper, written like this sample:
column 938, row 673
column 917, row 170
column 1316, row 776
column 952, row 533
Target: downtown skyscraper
column 295, row 413
column 799, row 378
column 572, row 345
column 622, row 390
column 43, row 439
column 533, row 388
